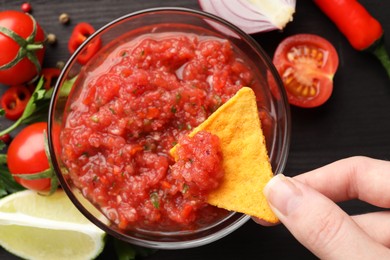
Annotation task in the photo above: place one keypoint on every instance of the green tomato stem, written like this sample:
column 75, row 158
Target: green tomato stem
column 34, row 47
column 48, row 173
column 28, row 47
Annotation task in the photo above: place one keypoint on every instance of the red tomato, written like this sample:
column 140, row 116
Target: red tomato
column 14, row 71
column 306, row 64
column 80, row 33
column 26, row 155
column 14, row 101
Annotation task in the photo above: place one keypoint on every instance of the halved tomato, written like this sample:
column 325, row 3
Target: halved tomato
column 306, row 64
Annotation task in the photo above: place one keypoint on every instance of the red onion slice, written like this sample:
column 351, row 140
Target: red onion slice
column 252, row 16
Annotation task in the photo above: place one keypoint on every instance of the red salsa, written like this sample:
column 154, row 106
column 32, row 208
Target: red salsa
column 134, row 105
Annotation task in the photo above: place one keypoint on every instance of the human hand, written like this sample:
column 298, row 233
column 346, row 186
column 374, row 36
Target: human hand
column 306, row 205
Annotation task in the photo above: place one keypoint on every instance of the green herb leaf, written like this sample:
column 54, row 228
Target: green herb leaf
column 67, row 87
column 178, row 97
column 185, row 188
column 155, row 199
column 37, row 107
column 8, row 184
column 173, row 109
column 3, row 159
column 2, row 145
column 31, row 107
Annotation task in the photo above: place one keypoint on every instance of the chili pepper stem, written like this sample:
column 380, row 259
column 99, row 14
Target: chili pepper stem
column 34, row 47
column 381, row 53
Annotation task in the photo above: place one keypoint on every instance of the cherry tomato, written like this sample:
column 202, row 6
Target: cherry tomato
column 26, row 155
column 306, row 64
column 80, row 33
column 17, row 36
column 26, row 7
column 14, row 101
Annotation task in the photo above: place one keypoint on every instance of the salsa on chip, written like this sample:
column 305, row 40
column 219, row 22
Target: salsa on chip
column 245, row 159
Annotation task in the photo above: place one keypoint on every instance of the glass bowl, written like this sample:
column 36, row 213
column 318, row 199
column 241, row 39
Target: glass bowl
column 131, row 29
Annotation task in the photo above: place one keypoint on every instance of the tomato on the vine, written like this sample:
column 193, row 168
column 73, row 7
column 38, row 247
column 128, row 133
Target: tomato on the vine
column 14, row 101
column 21, row 45
column 26, row 155
column 306, row 64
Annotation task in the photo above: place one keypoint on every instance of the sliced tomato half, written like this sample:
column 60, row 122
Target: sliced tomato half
column 307, row 64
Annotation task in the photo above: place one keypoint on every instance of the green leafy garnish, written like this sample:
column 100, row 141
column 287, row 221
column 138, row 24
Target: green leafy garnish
column 2, row 145
column 3, row 159
column 34, row 108
column 155, row 200
column 185, row 188
column 37, row 107
column 8, row 184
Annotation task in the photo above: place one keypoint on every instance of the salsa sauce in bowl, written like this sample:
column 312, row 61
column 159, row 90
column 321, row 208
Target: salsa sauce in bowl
column 133, row 107
column 141, row 94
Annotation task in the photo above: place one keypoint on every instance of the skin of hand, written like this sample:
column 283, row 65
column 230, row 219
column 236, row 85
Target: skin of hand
column 306, row 205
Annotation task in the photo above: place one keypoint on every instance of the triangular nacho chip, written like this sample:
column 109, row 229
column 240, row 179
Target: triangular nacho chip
column 245, row 158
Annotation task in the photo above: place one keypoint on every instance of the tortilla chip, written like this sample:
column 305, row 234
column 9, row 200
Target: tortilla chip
column 245, row 159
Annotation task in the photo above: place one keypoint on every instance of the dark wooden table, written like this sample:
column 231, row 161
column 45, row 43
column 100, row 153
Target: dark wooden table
column 355, row 121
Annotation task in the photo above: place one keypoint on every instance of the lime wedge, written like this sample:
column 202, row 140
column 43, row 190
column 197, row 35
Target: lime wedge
column 33, row 226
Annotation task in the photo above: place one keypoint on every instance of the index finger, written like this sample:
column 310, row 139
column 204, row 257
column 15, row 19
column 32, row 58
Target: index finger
column 356, row 177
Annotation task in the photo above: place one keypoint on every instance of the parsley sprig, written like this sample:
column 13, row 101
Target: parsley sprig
column 7, row 183
column 37, row 107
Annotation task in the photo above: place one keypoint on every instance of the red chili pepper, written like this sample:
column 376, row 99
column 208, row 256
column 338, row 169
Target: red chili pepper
column 50, row 75
column 362, row 30
column 80, row 33
column 14, row 101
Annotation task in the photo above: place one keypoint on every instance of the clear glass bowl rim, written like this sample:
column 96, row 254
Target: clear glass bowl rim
column 229, row 228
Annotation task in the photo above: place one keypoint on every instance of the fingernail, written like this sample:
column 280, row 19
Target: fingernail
column 283, row 195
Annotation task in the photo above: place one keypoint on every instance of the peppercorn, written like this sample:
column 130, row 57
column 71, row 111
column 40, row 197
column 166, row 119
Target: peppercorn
column 51, row 38
column 64, row 18
column 60, row 65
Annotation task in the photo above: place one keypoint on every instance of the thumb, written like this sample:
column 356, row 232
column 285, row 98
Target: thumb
column 318, row 223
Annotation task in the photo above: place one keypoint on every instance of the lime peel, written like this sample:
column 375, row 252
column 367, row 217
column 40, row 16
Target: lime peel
column 29, row 234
